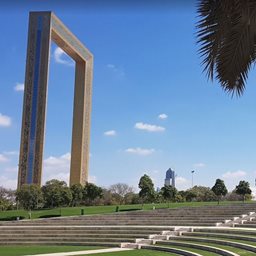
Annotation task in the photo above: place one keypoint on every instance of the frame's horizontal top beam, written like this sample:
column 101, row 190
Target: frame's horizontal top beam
column 65, row 39
column 62, row 36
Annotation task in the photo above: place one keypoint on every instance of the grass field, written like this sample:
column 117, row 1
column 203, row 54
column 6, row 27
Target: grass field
column 239, row 251
column 72, row 211
column 135, row 253
column 31, row 250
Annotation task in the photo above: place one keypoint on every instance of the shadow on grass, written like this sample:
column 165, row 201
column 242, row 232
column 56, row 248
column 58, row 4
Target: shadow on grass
column 12, row 218
column 49, row 216
column 129, row 210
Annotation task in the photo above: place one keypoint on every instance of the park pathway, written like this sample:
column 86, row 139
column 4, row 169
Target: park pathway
column 83, row 252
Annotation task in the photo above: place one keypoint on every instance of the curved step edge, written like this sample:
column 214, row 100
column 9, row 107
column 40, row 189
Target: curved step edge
column 172, row 250
column 220, row 235
column 200, row 247
column 246, row 247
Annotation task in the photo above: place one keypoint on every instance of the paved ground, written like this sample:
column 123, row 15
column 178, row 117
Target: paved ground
column 83, row 252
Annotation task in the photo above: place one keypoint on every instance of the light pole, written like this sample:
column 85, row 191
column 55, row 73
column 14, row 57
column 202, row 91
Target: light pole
column 192, row 173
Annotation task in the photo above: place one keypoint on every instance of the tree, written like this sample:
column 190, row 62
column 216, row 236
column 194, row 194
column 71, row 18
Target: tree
column 190, row 195
column 181, row 196
column 233, row 196
column 7, row 199
column 227, row 35
column 77, row 194
column 56, row 193
column 219, row 189
column 120, row 190
column 66, row 197
column 200, row 194
column 243, row 189
column 169, row 193
column 91, row 192
column 29, row 196
column 107, row 198
column 146, row 186
column 131, row 198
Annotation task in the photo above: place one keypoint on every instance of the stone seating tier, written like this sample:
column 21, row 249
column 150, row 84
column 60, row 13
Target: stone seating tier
column 116, row 229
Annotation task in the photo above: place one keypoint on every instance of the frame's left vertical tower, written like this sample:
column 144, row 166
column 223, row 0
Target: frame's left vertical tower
column 34, row 105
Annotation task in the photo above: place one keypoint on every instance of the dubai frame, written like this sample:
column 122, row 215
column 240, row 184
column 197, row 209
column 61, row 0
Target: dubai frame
column 44, row 27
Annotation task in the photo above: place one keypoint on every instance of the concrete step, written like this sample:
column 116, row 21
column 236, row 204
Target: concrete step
column 170, row 250
column 82, row 228
column 216, row 241
column 221, row 235
column 67, row 240
column 153, row 224
column 246, row 225
column 102, row 244
column 74, row 232
column 71, row 235
column 206, row 248
column 138, row 217
column 226, row 231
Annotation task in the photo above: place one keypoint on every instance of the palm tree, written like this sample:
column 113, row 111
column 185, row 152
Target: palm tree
column 226, row 33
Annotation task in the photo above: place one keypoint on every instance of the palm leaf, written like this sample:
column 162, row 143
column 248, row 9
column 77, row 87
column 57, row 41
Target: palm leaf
column 227, row 34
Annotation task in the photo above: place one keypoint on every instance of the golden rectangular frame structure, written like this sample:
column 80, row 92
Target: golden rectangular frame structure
column 44, row 27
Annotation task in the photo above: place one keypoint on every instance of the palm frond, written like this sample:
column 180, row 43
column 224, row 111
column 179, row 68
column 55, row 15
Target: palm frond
column 227, row 34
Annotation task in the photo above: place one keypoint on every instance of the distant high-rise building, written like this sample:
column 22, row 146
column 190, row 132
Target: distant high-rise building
column 170, row 178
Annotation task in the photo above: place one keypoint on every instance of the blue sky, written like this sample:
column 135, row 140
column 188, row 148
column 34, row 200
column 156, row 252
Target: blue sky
column 152, row 107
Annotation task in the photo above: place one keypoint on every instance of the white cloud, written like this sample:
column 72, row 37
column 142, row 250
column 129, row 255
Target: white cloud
column 19, row 87
column 3, row 158
column 11, row 153
column 199, row 165
column 8, row 182
column 5, row 121
column 62, row 58
column 111, row 66
column 59, row 161
column 253, row 191
column 58, row 167
column 110, row 133
column 117, row 71
column 149, row 127
column 182, row 183
column 232, row 178
column 54, row 167
column 140, row 151
column 162, row 116
column 93, row 179
column 11, row 170
column 234, row 175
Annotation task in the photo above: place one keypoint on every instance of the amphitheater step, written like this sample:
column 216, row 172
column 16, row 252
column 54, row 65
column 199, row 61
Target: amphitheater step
column 198, row 246
column 220, row 235
column 226, row 231
column 171, row 250
column 217, row 241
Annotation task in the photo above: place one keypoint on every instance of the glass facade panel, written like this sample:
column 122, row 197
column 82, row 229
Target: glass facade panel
column 32, row 136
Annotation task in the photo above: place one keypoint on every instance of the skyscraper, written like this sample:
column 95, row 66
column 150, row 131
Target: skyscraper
column 169, row 178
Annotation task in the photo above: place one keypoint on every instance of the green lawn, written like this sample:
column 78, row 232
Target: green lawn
column 31, row 250
column 135, row 253
column 71, row 211
column 37, row 249
column 204, row 253
column 239, row 251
